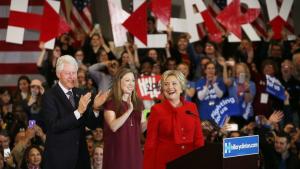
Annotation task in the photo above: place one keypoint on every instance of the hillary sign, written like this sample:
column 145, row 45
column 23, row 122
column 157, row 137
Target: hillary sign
column 224, row 109
column 148, row 87
column 240, row 146
column 216, row 22
column 275, row 88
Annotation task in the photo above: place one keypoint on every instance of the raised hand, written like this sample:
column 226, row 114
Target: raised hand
column 38, row 131
column 32, row 100
column 83, row 102
column 42, row 45
column 276, row 116
column 130, row 105
column 99, row 100
column 29, row 133
column 222, row 61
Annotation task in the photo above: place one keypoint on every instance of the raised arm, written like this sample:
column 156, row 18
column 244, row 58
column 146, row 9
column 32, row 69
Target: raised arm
column 115, row 122
column 41, row 58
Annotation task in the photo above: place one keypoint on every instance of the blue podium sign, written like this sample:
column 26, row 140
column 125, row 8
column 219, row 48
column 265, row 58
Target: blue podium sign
column 240, row 146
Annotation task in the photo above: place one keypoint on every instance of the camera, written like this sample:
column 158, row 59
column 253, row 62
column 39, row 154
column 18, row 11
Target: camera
column 242, row 78
column 31, row 123
column 6, row 152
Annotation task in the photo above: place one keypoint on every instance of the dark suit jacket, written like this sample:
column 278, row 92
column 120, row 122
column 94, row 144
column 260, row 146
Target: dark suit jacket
column 65, row 146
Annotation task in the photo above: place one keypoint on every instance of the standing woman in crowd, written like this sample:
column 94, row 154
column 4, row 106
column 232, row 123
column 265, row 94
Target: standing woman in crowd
column 210, row 90
column 34, row 104
column 242, row 89
column 23, row 91
column 122, row 127
column 190, row 85
column 174, row 126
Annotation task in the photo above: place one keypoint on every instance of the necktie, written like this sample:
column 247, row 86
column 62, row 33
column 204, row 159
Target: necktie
column 71, row 98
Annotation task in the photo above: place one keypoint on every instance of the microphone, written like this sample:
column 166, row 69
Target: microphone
column 188, row 112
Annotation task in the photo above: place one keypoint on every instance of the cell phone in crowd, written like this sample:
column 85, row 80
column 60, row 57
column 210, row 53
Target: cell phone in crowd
column 232, row 127
column 242, row 78
column 259, row 120
column 31, row 123
column 6, row 152
column 97, row 26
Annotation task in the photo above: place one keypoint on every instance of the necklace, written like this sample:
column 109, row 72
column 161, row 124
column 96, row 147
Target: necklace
column 131, row 122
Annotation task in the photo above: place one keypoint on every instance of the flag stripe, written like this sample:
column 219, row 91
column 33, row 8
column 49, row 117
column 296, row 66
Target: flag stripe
column 75, row 22
column 88, row 15
column 28, row 35
column 31, row 2
column 63, row 9
column 11, row 68
column 78, row 19
column 19, row 57
column 4, row 10
column 26, row 46
column 3, row 23
column 11, row 80
column 85, row 19
column 76, row 16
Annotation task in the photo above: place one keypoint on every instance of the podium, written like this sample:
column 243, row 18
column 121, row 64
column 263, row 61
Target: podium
column 210, row 156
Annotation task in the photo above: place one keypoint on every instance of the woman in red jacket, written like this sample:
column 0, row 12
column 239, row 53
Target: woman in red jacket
column 174, row 125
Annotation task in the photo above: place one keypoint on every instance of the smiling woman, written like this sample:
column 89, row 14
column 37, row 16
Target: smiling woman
column 122, row 127
column 174, row 126
column 32, row 158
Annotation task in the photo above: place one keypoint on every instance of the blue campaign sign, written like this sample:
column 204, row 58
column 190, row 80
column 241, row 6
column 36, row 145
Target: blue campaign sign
column 240, row 146
column 275, row 88
column 225, row 108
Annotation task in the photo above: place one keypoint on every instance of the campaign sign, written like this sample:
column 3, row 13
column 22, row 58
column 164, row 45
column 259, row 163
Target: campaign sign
column 148, row 87
column 240, row 146
column 275, row 88
column 225, row 108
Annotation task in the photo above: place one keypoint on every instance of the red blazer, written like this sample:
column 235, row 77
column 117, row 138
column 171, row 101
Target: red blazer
column 171, row 133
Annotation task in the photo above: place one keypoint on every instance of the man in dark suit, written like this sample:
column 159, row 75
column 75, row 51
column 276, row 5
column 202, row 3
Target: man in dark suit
column 66, row 113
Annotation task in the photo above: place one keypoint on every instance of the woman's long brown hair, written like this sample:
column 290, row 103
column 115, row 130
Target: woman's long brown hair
column 116, row 93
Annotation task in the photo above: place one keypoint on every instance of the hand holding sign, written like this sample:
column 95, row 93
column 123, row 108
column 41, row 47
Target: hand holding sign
column 224, row 109
column 275, row 88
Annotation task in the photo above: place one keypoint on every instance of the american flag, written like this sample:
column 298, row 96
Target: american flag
column 16, row 60
column 78, row 14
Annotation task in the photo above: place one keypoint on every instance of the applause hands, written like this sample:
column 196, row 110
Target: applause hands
column 130, row 105
column 99, row 100
column 83, row 102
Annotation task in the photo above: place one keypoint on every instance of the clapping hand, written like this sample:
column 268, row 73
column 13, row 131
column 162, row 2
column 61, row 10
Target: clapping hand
column 100, row 98
column 83, row 102
column 130, row 105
